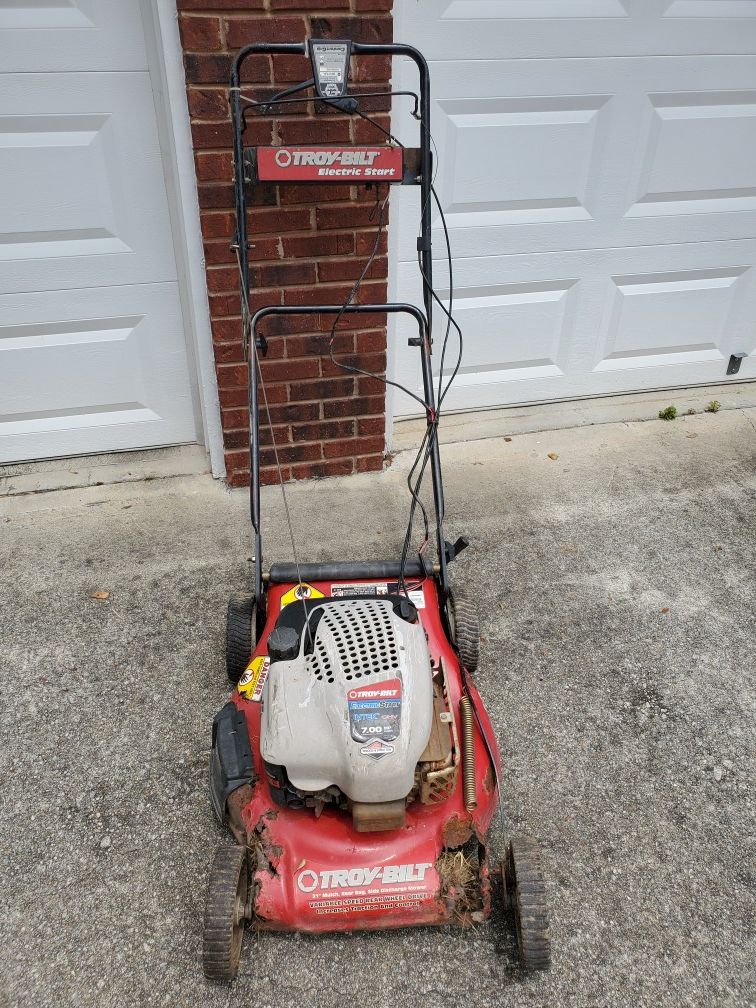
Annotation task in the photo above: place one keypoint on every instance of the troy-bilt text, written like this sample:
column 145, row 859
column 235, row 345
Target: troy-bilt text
column 350, row 878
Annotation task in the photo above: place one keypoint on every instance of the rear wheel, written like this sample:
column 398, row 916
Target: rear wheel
column 463, row 620
column 240, row 634
column 225, row 913
column 525, row 889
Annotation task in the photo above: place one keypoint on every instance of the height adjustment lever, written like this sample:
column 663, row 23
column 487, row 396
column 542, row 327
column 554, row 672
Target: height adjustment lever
column 451, row 552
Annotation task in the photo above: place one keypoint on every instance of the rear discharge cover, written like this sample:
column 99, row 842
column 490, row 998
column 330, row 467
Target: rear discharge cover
column 357, row 712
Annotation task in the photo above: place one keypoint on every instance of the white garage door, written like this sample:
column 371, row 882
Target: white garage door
column 92, row 350
column 598, row 175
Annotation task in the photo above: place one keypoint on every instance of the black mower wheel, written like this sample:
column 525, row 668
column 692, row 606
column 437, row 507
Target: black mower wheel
column 465, row 628
column 240, row 634
column 223, row 928
column 525, row 890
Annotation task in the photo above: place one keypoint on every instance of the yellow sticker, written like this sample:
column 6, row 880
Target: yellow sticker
column 251, row 683
column 301, row 591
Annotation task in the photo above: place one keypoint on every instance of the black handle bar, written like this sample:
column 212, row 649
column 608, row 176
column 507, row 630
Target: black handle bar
column 394, row 308
column 358, row 49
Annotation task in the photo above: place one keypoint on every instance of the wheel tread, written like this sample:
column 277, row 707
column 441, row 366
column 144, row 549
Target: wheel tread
column 526, row 884
column 220, row 950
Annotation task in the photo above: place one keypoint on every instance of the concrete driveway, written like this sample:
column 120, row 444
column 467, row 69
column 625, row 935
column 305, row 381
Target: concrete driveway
column 616, row 589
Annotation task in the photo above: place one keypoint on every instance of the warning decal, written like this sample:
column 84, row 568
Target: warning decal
column 251, row 683
column 384, row 888
column 416, row 595
column 375, row 713
column 300, row 592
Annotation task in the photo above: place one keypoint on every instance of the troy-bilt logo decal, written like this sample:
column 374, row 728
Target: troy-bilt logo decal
column 351, row 878
column 391, row 689
column 375, row 713
column 323, row 164
column 326, row 158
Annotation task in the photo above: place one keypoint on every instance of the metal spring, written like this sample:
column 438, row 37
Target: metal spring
column 468, row 753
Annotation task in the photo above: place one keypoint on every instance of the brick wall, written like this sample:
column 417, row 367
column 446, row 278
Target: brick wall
column 310, row 242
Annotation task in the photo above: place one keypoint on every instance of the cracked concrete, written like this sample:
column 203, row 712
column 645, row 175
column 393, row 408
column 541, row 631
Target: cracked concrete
column 616, row 587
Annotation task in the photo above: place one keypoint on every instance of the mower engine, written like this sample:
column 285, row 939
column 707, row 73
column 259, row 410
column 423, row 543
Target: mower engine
column 354, row 716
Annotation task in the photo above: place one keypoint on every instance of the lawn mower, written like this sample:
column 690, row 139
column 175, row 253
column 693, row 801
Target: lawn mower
column 354, row 764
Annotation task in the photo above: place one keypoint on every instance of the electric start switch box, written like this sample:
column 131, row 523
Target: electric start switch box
column 330, row 67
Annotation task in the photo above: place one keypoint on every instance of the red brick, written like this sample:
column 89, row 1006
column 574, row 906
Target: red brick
column 369, row 342
column 218, row 253
column 283, row 274
column 317, row 245
column 371, row 425
column 372, row 363
column 321, row 470
column 200, row 33
column 369, row 463
column 278, row 219
column 211, row 134
column 235, row 419
column 365, row 243
column 291, row 453
column 376, row 69
column 215, row 68
column 350, row 269
column 335, row 388
column 208, row 103
column 214, row 197
column 359, row 29
column 240, row 31
column 217, row 225
column 291, row 69
column 373, row 5
column 214, row 167
column 354, row 407
column 223, row 304
column 232, row 397
column 302, row 346
column 288, row 412
column 315, row 131
column 290, row 370
column 222, row 279
column 350, row 447
column 341, row 217
column 220, row 4
column 303, row 5
column 366, row 133
column 229, row 353
column 369, row 386
column 322, row 430
column 315, row 193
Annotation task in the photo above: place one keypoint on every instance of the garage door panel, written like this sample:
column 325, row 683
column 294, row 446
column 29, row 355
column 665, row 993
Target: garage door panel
column 83, row 201
column 521, row 29
column 669, row 315
column 119, row 366
column 501, row 154
column 643, row 156
column 699, row 152
column 672, row 318
column 58, row 35
column 93, row 354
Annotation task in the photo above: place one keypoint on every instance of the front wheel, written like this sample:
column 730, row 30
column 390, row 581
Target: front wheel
column 225, row 913
column 525, row 893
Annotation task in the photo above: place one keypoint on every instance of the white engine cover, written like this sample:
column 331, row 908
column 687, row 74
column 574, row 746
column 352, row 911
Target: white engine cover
column 357, row 712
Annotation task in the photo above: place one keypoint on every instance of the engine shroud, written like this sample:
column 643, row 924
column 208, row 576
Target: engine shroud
column 354, row 709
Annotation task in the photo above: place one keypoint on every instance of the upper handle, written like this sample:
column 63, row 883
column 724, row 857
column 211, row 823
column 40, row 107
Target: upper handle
column 358, row 49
